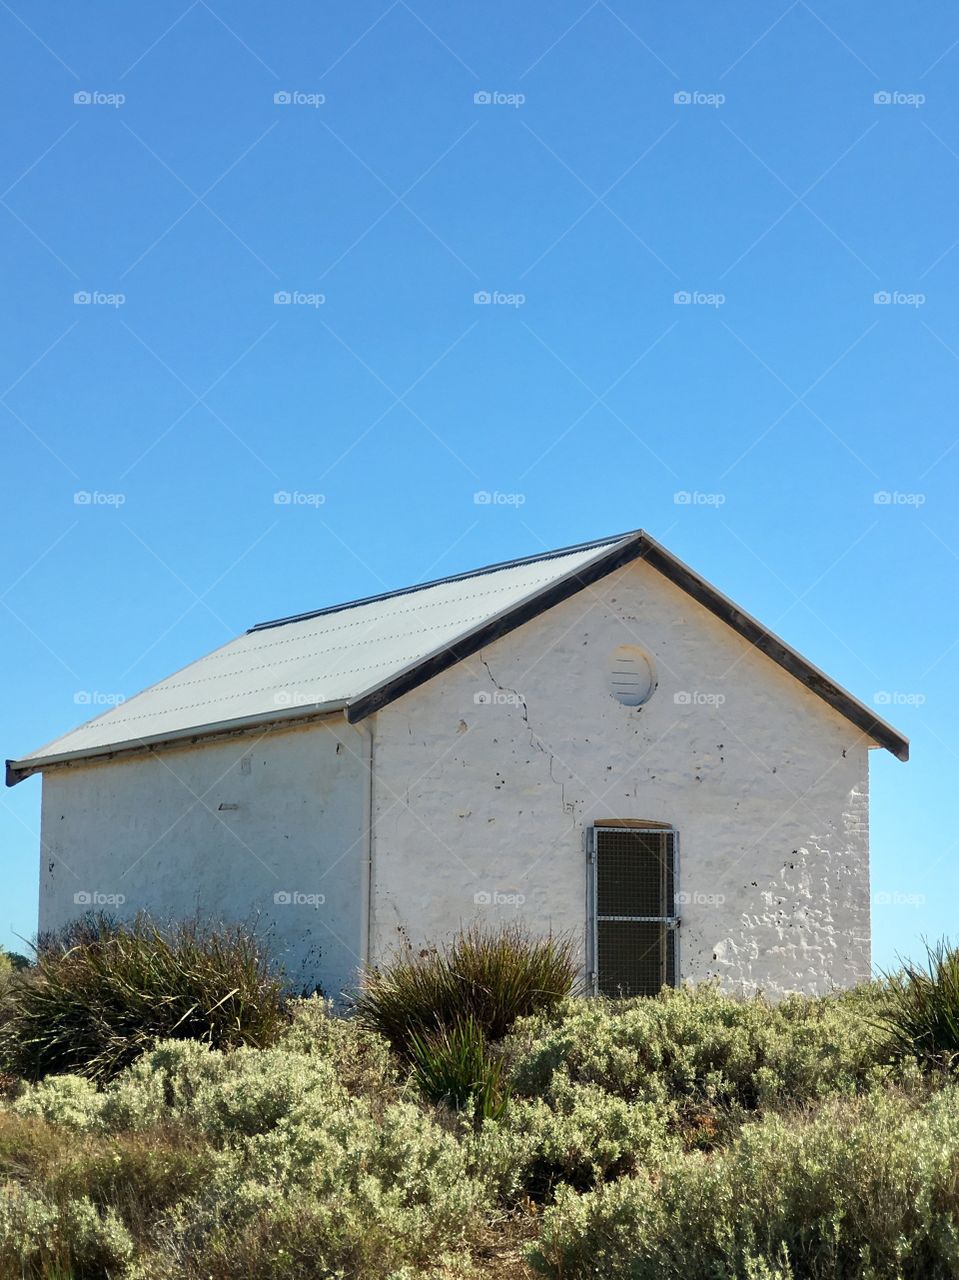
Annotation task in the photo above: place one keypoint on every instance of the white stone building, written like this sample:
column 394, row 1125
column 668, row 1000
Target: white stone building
column 593, row 740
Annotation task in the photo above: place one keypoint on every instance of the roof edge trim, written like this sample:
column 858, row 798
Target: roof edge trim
column 768, row 643
column 621, row 552
column 635, row 546
column 17, row 770
column 437, row 582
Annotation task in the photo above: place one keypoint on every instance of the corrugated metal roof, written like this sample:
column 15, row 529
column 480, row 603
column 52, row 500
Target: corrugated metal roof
column 318, row 661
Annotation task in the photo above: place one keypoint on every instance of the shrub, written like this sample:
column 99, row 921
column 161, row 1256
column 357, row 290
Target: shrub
column 306, row 1180
column 70, row 1240
column 493, row 977
column 454, row 1066
column 922, row 1013
column 578, row 1135
column 360, row 1057
column 244, row 1162
column 864, row 1189
column 103, row 993
column 696, row 1045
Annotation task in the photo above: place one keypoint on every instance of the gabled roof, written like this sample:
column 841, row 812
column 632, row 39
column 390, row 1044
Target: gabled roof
column 360, row 656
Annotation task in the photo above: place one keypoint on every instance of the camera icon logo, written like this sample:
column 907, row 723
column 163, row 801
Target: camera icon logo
column 483, row 898
column 482, row 698
column 82, row 898
column 682, row 98
column 483, row 98
column 282, row 898
column 83, row 98
column 282, row 98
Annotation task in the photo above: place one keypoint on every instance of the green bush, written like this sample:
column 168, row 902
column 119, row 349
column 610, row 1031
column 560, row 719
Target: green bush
column 493, row 977
column 922, row 1012
column 578, row 1135
column 246, row 1162
column 697, row 1045
column 360, row 1057
column 101, row 994
column 55, row 1242
column 454, row 1066
column 864, row 1190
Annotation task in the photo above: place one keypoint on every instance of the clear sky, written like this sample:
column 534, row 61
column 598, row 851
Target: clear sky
column 792, row 171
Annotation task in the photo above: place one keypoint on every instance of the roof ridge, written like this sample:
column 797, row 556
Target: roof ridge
column 438, row 582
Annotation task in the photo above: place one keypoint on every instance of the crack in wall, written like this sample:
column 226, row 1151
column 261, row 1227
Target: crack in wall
column 535, row 741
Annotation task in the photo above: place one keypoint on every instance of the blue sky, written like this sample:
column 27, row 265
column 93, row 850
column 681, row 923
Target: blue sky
column 793, row 172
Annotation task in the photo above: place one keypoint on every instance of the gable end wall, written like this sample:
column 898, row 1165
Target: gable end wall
column 481, row 807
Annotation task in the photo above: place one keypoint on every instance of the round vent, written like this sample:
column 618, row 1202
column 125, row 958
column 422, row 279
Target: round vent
column 631, row 680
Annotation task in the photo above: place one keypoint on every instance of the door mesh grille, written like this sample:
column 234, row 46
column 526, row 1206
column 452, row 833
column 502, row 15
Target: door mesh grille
column 635, row 911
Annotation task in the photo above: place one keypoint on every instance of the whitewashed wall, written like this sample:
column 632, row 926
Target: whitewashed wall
column 478, row 806
column 152, row 831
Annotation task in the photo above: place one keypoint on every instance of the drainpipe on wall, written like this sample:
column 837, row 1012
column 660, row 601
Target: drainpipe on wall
column 365, row 727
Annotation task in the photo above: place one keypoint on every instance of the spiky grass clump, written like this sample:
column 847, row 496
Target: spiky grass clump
column 491, row 977
column 100, row 996
column 455, row 1066
column 922, row 1010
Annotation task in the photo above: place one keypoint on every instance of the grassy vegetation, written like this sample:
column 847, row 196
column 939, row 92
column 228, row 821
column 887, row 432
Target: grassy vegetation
column 492, row 977
column 518, row 1131
column 100, row 994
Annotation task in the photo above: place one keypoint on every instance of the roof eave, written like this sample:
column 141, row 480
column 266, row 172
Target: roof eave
column 17, row 770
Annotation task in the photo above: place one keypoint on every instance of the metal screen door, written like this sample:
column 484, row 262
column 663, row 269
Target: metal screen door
column 633, row 909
